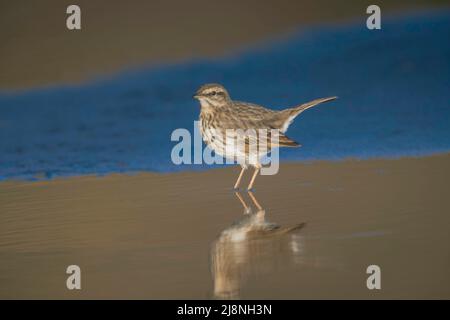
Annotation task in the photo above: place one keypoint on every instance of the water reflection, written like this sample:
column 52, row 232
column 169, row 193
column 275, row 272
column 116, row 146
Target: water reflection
column 251, row 246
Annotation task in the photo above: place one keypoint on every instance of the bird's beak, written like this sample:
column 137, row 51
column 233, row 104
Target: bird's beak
column 195, row 96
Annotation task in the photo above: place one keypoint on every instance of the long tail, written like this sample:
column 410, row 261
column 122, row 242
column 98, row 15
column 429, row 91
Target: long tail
column 288, row 115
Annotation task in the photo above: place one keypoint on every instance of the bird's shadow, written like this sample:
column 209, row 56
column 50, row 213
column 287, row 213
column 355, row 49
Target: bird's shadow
column 250, row 246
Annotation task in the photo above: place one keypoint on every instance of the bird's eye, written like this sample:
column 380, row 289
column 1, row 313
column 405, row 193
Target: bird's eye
column 213, row 93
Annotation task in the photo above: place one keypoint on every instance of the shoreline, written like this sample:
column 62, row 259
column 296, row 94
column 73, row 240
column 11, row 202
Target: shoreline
column 39, row 178
column 125, row 124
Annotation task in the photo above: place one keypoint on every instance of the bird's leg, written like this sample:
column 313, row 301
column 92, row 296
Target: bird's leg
column 250, row 186
column 252, row 196
column 238, row 181
column 246, row 207
column 261, row 214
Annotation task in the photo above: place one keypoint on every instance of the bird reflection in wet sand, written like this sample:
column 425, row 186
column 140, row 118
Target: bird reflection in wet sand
column 251, row 246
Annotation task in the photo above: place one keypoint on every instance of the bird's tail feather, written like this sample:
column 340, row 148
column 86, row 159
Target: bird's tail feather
column 290, row 114
column 299, row 109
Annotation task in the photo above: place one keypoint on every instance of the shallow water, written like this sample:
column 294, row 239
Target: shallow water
column 392, row 86
column 188, row 235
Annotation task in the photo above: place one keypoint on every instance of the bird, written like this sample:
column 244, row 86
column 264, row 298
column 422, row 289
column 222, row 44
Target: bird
column 222, row 121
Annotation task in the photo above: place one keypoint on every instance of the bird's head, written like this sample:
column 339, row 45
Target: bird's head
column 212, row 94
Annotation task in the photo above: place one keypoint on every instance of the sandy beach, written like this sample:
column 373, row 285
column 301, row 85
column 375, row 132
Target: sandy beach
column 171, row 236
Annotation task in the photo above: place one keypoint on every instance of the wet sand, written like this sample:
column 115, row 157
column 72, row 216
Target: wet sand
column 38, row 50
column 172, row 235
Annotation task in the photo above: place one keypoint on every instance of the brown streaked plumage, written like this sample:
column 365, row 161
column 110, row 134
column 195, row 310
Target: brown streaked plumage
column 223, row 121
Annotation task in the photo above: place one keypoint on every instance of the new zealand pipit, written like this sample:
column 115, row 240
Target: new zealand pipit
column 223, row 121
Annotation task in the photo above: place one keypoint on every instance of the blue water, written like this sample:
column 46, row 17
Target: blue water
column 393, row 86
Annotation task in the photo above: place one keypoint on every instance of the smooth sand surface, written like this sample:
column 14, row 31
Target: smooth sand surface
column 36, row 48
column 172, row 235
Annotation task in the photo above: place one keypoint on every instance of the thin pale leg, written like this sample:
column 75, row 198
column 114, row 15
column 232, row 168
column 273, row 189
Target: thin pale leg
column 246, row 207
column 250, row 186
column 238, row 181
column 261, row 214
column 252, row 196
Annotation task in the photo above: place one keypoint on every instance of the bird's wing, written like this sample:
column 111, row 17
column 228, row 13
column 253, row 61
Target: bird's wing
column 248, row 116
column 251, row 113
column 245, row 116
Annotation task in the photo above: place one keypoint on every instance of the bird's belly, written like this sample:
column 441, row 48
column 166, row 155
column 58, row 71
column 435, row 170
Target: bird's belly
column 226, row 146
